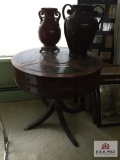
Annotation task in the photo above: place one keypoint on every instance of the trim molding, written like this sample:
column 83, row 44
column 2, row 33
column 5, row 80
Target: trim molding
column 14, row 94
column 5, row 59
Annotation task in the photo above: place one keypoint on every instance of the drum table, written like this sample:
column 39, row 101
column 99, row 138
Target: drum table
column 56, row 76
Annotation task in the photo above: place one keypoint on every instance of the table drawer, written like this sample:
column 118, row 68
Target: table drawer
column 48, row 92
column 47, row 82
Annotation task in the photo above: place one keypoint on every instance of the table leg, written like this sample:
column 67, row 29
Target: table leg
column 46, row 101
column 44, row 117
column 64, row 124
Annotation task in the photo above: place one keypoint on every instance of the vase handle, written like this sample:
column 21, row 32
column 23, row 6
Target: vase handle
column 58, row 14
column 41, row 15
column 102, row 12
column 68, row 11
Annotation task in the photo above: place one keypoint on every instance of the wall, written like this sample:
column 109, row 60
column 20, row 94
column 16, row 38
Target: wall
column 6, row 73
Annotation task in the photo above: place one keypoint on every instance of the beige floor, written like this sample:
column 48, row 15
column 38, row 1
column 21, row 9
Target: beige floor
column 48, row 141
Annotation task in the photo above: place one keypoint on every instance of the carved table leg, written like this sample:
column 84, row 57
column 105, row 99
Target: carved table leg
column 44, row 117
column 46, row 101
column 64, row 124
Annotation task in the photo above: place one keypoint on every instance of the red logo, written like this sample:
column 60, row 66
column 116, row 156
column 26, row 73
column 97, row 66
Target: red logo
column 105, row 146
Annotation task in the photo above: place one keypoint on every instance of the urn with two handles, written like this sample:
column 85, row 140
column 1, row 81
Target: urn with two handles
column 80, row 27
column 49, row 31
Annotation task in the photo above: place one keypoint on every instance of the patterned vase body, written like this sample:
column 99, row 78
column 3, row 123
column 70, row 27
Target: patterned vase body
column 80, row 28
column 49, row 31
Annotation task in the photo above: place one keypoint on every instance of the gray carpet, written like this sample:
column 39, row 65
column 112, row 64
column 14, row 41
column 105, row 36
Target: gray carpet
column 49, row 141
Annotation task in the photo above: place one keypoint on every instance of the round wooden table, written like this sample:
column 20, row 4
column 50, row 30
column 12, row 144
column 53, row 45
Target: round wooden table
column 56, row 76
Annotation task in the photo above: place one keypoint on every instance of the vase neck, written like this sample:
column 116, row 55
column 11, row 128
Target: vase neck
column 83, row 8
column 49, row 13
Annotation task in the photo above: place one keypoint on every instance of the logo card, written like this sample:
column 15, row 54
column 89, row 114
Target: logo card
column 105, row 148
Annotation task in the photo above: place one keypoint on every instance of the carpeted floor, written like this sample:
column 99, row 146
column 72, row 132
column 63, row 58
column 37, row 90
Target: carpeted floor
column 49, row 141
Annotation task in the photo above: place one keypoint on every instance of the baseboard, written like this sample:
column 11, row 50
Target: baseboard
column 14, row 94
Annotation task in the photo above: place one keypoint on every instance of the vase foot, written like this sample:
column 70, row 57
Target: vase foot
column 50, row 49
